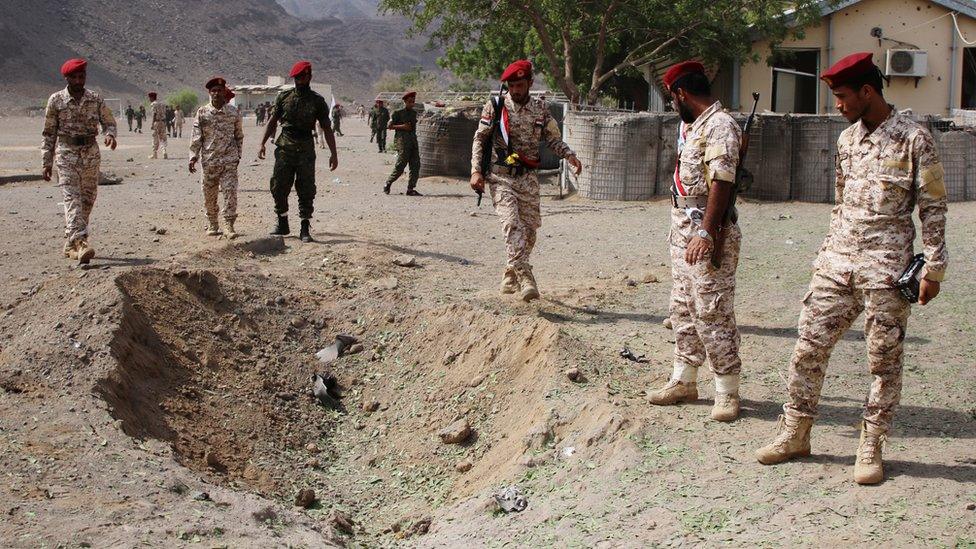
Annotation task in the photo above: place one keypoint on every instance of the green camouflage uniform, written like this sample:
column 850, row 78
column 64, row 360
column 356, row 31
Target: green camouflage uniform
column 297, row 111
column 408, row 151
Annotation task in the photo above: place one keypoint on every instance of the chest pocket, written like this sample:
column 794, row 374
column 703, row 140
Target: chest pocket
column 692, row 166
column 892, row 187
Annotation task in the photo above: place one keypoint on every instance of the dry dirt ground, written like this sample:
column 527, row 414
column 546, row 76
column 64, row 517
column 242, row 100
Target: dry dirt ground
column 179, row 364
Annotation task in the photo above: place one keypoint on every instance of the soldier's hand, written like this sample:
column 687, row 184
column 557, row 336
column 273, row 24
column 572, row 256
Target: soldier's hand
column 110, row 142
column 697, row 249
column 46, row 173
column 477, row 182
column 261, row 152
column 333, row 162
column 193, row 167
column 575, row 163
column 927, row 291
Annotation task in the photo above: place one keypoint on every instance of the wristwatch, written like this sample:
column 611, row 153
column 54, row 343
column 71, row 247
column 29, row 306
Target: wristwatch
column 702, row 233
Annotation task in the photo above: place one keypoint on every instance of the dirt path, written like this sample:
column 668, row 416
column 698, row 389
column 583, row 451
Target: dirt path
column 180, row 364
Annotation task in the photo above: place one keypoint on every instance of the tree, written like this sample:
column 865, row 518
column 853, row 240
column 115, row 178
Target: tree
column 415, row 79
column 186, row 98
column 581, row 44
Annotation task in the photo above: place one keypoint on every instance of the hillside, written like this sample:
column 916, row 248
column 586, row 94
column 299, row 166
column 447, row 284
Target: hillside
column 321, row 9
column 139, row 45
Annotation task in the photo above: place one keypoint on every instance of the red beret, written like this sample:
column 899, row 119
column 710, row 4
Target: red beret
column 408, row 95
column 151, row 95
column 215, row 81
column 517, row 71
column 681, row 69
column 72, row 66
column 848, row 68
column 299, row 68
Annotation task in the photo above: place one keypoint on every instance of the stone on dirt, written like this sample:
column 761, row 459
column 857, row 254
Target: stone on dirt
column 455, row 433
column 405, row 261
column 463, row 466
column 341, row 522
column 305, row 498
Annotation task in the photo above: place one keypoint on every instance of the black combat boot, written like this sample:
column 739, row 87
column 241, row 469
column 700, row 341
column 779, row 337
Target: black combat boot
column 282, row 228
column 306, row 234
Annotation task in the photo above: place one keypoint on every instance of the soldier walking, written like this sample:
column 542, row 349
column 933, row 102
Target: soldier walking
column 702, row 295
column 157, row 124
column 298, row 110
column 886, row 164
column 337, row 119
column 170, row 121
column 178, row 122
column 404, row 123
column 140, row 116
column 217, row 140
column 71, row 126
column 129, row 115
column 513, row 184
column 380, row 119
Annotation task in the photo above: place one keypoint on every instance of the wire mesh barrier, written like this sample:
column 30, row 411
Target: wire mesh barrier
column 792, row 157
column 445, row 137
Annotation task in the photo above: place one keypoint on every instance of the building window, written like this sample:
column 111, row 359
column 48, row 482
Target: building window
column 795, row 80
column 969, row 78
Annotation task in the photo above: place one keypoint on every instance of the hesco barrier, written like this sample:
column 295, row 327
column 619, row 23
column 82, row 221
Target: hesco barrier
column 445, row 137
column 632, row 156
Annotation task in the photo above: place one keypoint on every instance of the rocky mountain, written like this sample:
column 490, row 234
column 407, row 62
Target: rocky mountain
column 137, row 45
column 324, row 9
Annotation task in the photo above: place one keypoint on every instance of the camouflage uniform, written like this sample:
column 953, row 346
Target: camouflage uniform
column 516, row 197
column 219, row 135
column 880, row 177
column 703, row 297
column 66, row 120
column 380, row 122
column 158, row 126
column 178, row 123
column 298, row 110
column 408, row 150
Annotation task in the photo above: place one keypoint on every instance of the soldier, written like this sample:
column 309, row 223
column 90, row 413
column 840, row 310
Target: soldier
column 702, row 296
column 337, row 119
column 140, row 116
column 170, row 121
column 218, row 133
column 71, row 127
column 157, row 124
column 380, row 120
column 404, row 123
column 886, row 164
column 512, row 182
column 298, row 110
column 178, row 122
column 129, row 115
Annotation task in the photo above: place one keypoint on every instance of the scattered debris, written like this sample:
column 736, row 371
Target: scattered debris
column 629, row 355
column 455, row 433
column 305, row 498
column 511, row 500
column 325, row 388
column 343, row 345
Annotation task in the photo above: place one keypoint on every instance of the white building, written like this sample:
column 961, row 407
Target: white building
column 249, row 96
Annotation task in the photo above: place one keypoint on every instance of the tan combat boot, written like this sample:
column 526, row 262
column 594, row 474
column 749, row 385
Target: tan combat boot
column 792, row 441
column 230, row 233
column 726, row 407
column 510, row 283
column 674, row 392
column 84, row 251
column 529, row 289
column 213, row 229
column 69, row 250
column 868, row 468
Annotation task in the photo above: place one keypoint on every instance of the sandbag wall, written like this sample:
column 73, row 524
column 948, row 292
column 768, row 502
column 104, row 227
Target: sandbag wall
column 445, row 137
column 632, row 156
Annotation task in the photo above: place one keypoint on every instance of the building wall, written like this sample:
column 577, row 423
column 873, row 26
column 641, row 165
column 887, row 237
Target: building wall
column 910, row 21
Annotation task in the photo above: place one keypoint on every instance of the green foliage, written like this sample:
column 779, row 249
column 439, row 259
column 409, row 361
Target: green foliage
column 186, row 98
column 415, row 79
column 581, row 45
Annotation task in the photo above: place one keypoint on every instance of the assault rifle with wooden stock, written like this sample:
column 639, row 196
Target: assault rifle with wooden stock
column 743, row 180
column 489, row 145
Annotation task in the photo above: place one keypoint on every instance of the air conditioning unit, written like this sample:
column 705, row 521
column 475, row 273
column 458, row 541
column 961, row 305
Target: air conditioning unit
column 913, row 63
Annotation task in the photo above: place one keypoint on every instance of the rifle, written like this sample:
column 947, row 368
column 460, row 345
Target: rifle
column 489, row 145
column 743, row 180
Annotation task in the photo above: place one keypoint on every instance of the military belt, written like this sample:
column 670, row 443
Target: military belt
column 513, row 171
column 684, row 202
column 78, row 140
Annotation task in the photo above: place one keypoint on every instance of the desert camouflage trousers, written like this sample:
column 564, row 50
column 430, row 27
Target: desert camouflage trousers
column 829, row 308
column 517, row 205
column 703, row 310
column 221, row 179
column 159, row 137
column 78, row 175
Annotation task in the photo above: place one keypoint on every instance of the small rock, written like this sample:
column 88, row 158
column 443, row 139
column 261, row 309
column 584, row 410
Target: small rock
column 314, row 463
column 574, row 375
column 356, row 348
column 312, row 448
column 297, row 322
column 371, row 406
column 667, row 323
column 305, row 498
column 213, row 461
column 387, row 283
column 631, row 283
column 650, row 278
column 340, row 521
column 160, row 231
column 463, row 466
column 477, row 380
column 201, row 496
column 405, row 261
column 971, row 507
column 455, row 433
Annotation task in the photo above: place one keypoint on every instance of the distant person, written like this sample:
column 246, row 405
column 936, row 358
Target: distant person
column 404, row 123
column 72, row 121
column 259, row 115
column 337, row 119
column 140, row 116
column 130, row 113
column 298, row 110
column 170, row 120
column 380, row 120
column 178, row 122
column 217, row 141
column 361, row 109
column 157, row 124
column 370, row 118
